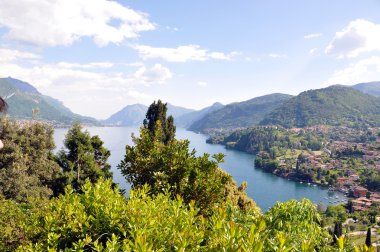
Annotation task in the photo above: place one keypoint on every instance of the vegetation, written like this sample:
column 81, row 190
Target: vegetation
column 179, row 201
column 27, row 165
column 25, row 102
column 160, row 161
column 84, row 158
column 335, row 105
column 238, row 115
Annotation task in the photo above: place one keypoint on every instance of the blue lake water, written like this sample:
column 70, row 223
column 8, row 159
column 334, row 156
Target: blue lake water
column 265, row 188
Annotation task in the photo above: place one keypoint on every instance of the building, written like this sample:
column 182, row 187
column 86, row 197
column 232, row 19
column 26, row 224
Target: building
column 359, row 191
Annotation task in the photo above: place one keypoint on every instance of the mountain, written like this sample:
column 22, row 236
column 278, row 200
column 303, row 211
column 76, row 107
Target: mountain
column 23, row 98
column 240, row 114
column 371, row 88
column 177, row 111
column 186, row 120
column 133, row 115
column 335, row 105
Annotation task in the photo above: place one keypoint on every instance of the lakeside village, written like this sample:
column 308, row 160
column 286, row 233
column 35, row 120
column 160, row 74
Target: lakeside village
column 347, row 161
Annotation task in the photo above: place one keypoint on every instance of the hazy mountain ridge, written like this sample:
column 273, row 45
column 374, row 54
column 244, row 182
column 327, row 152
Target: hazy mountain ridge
column 22, row 98
column 334, row 105
column 371, row 88
column 133, row 115
column 240, row 114
column 186, row 120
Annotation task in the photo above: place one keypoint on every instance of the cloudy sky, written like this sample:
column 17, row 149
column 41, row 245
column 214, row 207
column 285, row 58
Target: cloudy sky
column 98, row 56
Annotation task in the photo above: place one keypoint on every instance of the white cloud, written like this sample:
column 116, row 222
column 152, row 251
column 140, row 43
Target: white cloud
column 202, row 83
column 91, row 65
column 87, row 90
column 313, row 35
column 7, row 55
column 314, row 52
column 277, row 56
column 156, row 74
column 358, row 37
column 62, row 22
column 362, row 71
column 181, row 53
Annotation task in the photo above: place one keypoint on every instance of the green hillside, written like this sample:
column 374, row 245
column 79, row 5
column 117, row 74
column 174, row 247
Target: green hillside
column 23, row 99
column 186, row 120
column 371, row 88
column 241, row 114
column 335, row 105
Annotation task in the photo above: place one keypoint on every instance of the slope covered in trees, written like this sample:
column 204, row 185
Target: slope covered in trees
column 371, row 88
column 186, row 120
column 179, row 201
column 335, row 105
column 25, row 102
column 241, row 114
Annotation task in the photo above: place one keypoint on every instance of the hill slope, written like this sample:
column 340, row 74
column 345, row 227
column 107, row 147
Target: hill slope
column 22, row 98
column 186, row 120
column 241, row 114
column 130, row 115
column 335, row 105
column 133, row 115
column 371, row 88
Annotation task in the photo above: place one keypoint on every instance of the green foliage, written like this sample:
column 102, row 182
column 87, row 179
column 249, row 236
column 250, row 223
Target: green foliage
column 337, row 212
column 241, row 114
column 299, row 221
column 25, row 98
column 172, row 165
column 84, row 157
column 335, row 105
column 101, row 219
column 156, row 117
column 272, row 140
column 20, row 222
column 27, row 166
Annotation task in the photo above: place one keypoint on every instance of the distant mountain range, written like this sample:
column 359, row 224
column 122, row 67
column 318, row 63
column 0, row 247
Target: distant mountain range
column 335, row 105
column 133, row 115
column 23, row 99
column 188, row 119
column 239, row 115
column 371, row 88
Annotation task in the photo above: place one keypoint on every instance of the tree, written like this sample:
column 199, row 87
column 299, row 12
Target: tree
column 27, row 165
column 338, row 231
column 84, row 157
column 171, row 164
column 157, row 113
column 368, row 242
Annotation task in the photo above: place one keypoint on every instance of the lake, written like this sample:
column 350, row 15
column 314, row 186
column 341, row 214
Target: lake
column 265, row 188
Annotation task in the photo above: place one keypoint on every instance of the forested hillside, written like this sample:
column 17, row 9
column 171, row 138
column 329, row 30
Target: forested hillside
column 241, row 114
column 335, row 105
column 25, row 102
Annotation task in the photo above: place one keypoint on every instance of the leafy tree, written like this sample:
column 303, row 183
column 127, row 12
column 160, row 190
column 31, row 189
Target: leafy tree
column 101, row 219
column 338, row 212
column 172, row 165
column 162, row 164
column 299, row 221
column 84, row 157
column 27, row 165
column 157, row 113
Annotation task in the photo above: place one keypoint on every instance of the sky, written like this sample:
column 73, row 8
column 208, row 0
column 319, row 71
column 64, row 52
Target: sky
column 98, row 56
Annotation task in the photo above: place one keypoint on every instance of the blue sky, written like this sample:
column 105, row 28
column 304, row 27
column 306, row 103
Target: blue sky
column 98, row 56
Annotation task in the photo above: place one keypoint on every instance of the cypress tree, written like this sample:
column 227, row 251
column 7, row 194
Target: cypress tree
column 368, row 238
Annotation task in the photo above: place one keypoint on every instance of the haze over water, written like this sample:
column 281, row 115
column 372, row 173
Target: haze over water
column 264, row 188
